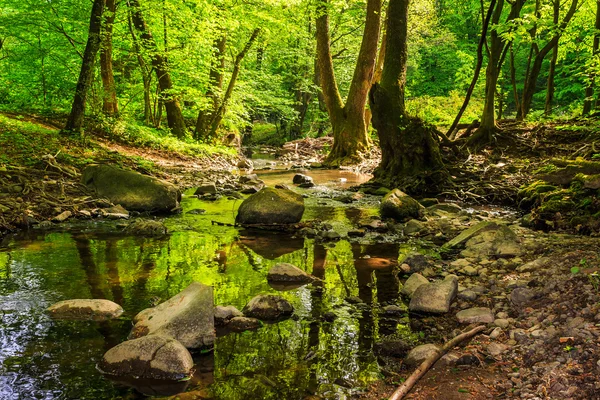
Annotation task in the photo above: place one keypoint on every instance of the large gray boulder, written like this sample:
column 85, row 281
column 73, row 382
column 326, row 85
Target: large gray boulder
column 284, row 272
column 149, row 357
column 400, row 206
column 85, row 309
column 131, row 189
column 435, row 297
column 271, row 206
column 187, row 317
column 268, row 307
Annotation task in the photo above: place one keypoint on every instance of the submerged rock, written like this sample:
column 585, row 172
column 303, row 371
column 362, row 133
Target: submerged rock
column 85, row 309
column 435, row 297
column 268, row 307
column 131, row 189
column 284, row 272
column 398, row 205
column 241, row 324
column 149, row 357
column 146, row 227
column 187, row 317
column 271, row 206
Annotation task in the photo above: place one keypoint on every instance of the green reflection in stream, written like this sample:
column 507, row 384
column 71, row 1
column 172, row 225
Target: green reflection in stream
column 41, row 358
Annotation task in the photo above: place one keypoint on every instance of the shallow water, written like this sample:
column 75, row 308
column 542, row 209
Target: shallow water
column 45, row 359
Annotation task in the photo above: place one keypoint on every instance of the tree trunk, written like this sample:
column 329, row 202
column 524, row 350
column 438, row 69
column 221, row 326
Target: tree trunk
column 348, row 121
column 589, row 91
column 484, row 28
column 215, row 86
column 75, row 120
column 411, row 157
column 175, row 119
column 531, row 78
column 146, row 74
column 109, row 98
column 212, row 124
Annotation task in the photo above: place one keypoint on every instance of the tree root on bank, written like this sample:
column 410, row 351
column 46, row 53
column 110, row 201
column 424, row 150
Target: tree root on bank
column 429, row 362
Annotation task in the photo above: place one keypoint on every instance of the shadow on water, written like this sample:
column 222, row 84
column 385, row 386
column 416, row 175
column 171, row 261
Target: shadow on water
column 326, row 349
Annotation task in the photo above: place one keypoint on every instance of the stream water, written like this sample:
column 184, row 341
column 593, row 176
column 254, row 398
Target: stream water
column 45, row 359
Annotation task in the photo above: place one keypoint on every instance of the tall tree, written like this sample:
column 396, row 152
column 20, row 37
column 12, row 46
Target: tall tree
column 536, row 67
column 175, row 119
column 75, row 120
column 109, row 98
column 497, row 49
column 589, row 91
column 410, row 154
column 347, row 120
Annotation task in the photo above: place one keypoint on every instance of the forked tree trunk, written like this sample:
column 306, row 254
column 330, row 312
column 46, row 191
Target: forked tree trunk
column 75, row 121
column 175, row 119
column 536, row 67
column 410, row 154
column 215, row 87
column 348, row 120
column 109, row 98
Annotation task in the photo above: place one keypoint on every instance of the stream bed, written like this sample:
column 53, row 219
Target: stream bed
column 306, row 355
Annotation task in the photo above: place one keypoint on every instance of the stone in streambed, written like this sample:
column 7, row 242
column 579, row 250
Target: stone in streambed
column 420, row 353
column 187, row 317
column 241, row 324
column 435, row 297
column 224, row 314
column 271, row 206
column 268, row 307
column 131, row 189
column 146, row 227
column 413, row 283
column 85, row 309
column 300, row 179
column 399, row 206
column 476, row 315
column 284, row 272
column 149, row 357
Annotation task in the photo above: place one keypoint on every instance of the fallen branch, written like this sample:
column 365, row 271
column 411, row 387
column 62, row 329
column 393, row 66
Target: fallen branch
column 428, row 363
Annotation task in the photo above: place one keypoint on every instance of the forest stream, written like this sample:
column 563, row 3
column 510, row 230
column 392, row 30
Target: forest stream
column 42, row 358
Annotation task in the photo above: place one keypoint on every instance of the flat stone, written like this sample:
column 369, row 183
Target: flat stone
column 63, row 216
column 284, row 272
column 187, row 317
column 85, row 309
column 223, row 314
column 412, row 283
column 521, row 296
column 476, row 315
column 534, row 265
column 149, row 357
column 467, row 234
column 268, row 307
column 435, row 297
column 241, row 324
column 495, row 349
column 420, row 353
column 413, row 226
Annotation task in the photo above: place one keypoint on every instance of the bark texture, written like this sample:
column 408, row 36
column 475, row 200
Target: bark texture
column 175, row 119
column 75, row 121
column 214, row 89
column 109, row 99
column 347, row 120
column 589, row 91
column 411, row 157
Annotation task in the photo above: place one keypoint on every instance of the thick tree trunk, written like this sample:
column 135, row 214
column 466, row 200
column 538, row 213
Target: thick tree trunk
column 109, row 98
column 145, row 72
column 536, row 68
column 175, row 119
column 215, row 87
column 348, row 121
column 589, row 91
column 553, row 61
column 484, row 28
column 410, row 154
column 75, row 120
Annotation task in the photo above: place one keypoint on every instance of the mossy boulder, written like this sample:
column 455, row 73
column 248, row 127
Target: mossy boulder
column 131, row 189
column 271, row 206
column 400, row 206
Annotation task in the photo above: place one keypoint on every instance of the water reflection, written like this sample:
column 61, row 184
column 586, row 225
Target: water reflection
column 325, row 350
